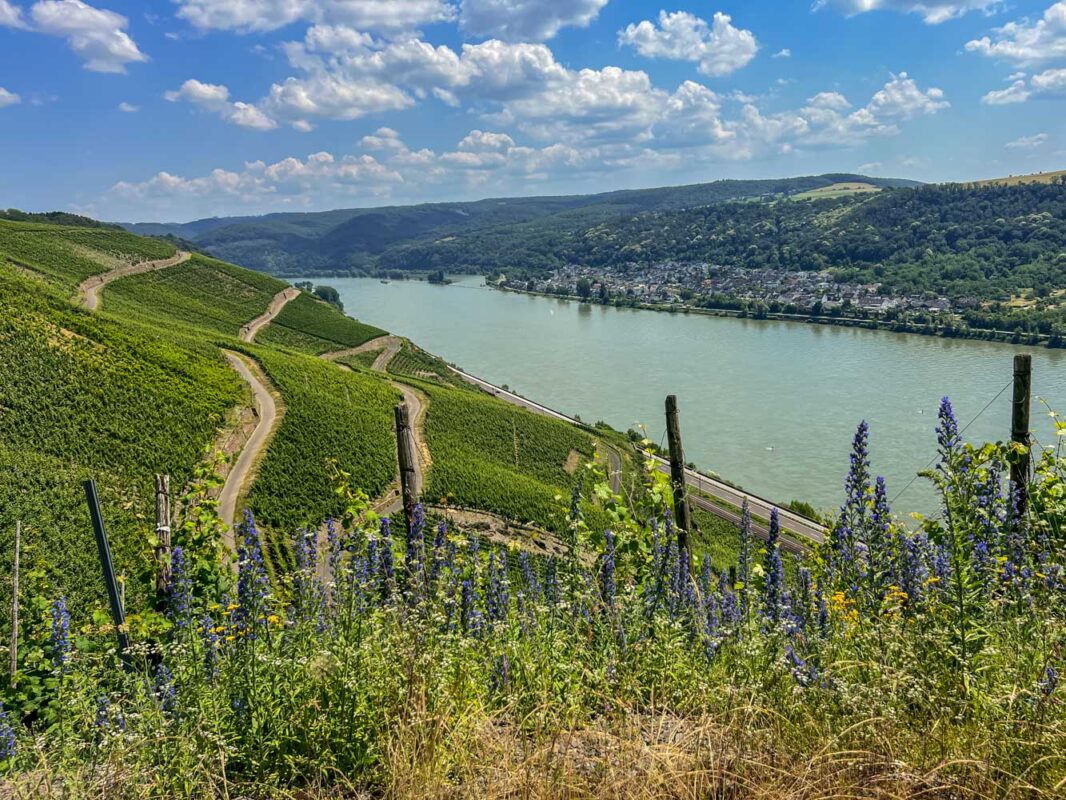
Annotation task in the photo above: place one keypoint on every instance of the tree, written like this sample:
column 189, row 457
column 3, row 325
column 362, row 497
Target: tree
column 584, row 288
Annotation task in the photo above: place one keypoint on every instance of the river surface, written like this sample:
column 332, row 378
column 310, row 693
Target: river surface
column 771, row 406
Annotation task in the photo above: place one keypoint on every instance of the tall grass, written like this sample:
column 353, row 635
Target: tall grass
column 424, row 662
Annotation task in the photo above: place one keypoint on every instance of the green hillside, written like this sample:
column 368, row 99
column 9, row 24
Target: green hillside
column 315, row 327
column 350, row 240
column 142, row 387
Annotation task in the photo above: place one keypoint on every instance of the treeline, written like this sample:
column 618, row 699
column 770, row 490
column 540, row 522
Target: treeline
column 984, row 243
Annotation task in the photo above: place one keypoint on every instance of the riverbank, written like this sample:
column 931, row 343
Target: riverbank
column 893, row 326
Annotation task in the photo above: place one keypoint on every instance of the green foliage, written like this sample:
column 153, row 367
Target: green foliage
column 88, row 396
column 202, row 292
column 333, row 418
column 369, row 240
column 491, row 455
column 430, row 664
column 313, row 326
column 70, row 255
column 414, row 362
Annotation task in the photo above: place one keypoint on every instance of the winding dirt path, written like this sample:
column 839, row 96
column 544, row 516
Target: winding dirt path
column 269, row 411
column 417, row 403
column 388, row 345
column 281, row 299
column 89, row 289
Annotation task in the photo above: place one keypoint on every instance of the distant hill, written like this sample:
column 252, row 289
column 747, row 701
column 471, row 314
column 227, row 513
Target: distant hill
column 1017, row 180
column 352, row 240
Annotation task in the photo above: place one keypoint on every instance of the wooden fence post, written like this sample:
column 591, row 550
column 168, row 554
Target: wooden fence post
column 405, row 451
column 677, row 473
column 13, row 649
column 162, row 534
column 1019, row 430
column 118, row 613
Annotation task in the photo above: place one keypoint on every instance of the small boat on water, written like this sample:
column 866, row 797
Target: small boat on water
column 385, row 280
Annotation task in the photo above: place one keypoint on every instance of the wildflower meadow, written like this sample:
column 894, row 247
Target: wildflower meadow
column 903, row 658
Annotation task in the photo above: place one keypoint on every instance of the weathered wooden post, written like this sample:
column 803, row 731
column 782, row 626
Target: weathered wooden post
column 162, row 534
column 1019, row 429
column 677, row 472
column 405, row 451
column 118, row 614
column 13, row 649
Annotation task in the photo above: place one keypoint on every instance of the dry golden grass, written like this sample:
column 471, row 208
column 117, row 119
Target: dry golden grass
column 1017, row 180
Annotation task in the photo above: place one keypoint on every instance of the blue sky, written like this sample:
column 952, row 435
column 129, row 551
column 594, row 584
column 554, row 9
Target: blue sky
column 177, row 109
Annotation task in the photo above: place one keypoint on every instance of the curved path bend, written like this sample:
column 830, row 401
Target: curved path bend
column 241, row 475
column 281, row 299
column 388, row 345
column 416, row 401
column 89, row 289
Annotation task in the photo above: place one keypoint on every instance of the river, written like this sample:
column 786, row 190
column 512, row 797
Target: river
column 771, row 406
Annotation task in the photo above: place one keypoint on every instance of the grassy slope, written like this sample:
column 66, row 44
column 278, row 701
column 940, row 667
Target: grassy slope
column 140, row 388
column 312, row 326
column 414, row 362
column 70, row 255
column 202, row 292
column 331, row 414
column 489, row 454
column 1018, row 180
column 89, row 396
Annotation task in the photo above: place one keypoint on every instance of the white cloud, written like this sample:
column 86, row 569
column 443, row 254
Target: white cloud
column 1052, row 81
column 383, row 139
column 1027, row 142
column 480, row 141
column 833, row 100
column 870, row 166
column 932, row 11
column 245, row 16
column 1015, row 93
column 8, row 98
column 348, row 75
column 526, row 20
column 783, row 53
column 718, row 49
column 215, row 98
column 128, row 108
column 98, row 36
column 595, row 123
column 1027, row 41
column 11, row 15
column 1049, row 83
column 901, row 98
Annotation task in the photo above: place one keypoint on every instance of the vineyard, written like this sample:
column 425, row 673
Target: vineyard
column 69, row 255
column 331, row 415
column 202, row 292
column 315, row 327
column 83, row 395
column 414, row 362
column 491, row 455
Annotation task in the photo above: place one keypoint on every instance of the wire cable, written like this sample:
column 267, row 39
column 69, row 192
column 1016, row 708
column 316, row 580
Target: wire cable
column 963, row 430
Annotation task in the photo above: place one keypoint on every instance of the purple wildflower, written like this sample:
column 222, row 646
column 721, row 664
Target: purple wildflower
column 253, row 584
column 8, row 744
column 165, row 691
column 775, row 594
column 179, row 595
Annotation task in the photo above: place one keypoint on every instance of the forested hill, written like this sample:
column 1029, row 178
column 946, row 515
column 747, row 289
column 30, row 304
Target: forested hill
column 963, row 241
column 351, row 240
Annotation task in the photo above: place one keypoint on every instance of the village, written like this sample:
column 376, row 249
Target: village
column 731, row 287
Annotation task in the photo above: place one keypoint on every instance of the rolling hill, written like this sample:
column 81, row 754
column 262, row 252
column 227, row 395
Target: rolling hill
column 350, row 240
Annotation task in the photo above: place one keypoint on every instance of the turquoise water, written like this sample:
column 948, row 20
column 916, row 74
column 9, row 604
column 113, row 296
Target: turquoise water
column 771, row 406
